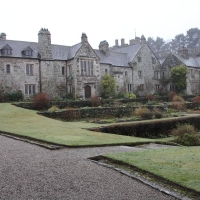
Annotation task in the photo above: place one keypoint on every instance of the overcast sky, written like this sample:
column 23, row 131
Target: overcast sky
column 99, row 19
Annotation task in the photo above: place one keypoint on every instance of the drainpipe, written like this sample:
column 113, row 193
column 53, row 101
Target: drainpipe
column 40, row 79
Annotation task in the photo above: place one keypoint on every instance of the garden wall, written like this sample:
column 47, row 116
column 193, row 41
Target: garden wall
column 85, row 113
column 150, row 129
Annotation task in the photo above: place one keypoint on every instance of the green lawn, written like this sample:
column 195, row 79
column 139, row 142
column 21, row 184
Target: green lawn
column 27, row 123
column 180, row 165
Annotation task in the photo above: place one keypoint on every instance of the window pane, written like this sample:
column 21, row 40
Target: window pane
column 33, row 89
column 26, row 89
column 27, row 69
column 30, row 91
column 31, row 69
column 8, row 69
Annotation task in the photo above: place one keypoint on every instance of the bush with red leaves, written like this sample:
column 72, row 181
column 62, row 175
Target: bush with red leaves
column 41, row 101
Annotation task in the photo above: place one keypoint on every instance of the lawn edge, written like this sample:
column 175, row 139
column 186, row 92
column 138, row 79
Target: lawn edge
column 121, row 163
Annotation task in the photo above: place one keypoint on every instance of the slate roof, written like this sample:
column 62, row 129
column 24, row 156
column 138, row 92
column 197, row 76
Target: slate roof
column 130, row 50
column 113, row 58
column 73, row 50
column 118, row 57
column 19, row 46
column 190, row 62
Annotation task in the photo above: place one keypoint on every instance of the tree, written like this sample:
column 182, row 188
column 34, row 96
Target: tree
column 107, row 86
column 178, row 77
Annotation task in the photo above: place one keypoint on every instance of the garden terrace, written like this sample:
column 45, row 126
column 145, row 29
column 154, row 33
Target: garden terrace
column 151, row 128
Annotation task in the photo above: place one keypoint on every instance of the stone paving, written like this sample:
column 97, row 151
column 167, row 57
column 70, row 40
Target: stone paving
column 31, row 172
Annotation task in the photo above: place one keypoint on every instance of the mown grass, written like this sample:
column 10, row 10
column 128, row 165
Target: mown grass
column 180, row 165
column 25, row 122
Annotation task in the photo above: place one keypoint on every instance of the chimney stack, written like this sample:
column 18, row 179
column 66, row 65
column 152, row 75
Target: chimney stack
column 116, row 42
column 3, row 36
column 122, row 42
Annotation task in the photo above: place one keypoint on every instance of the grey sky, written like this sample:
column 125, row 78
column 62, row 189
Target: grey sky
column 99, row 19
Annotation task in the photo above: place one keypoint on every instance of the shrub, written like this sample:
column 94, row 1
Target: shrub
column 53, row 109
column 95, row 101
column 171, row 95
column 178, row 98
column 150, row 97
column 139, row 111
column 196, row 101
column 186, row 135
column 158, row 115
column 41, row 101
column 147, row 115
column 178, row 106
column 13, row 96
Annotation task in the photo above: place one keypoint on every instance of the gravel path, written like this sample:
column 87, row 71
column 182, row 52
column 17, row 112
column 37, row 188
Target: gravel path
column 31, row 172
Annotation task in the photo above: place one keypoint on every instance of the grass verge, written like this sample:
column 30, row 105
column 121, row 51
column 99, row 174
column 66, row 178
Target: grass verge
column 179, row 165
column 27, row 123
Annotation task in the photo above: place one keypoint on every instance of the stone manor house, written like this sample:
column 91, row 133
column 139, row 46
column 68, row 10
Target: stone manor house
column 77, row 70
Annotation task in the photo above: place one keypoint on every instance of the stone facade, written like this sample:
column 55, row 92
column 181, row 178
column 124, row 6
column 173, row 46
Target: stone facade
column 193, row 65
column 76, row 70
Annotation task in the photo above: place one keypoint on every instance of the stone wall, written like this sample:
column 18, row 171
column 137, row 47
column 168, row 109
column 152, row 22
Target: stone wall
column 17, row 78
column 143, row 71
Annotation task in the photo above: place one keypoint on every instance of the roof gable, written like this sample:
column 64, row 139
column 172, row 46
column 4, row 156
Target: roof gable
column 7, row 47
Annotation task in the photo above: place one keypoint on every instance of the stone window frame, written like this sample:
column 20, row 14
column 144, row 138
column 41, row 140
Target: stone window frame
column 140, row 75
column 69, row 70
column 87, row 67
column 139, row 58
column 29, row 69
column 28, row 52
column 153, row 60
column 129, row 87
column 141, row 87
column 63, row 70
column 157, row 87
column 30, row 89
column 156, row 74
column 8, row 68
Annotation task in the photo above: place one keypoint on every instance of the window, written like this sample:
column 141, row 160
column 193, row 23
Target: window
column 156, row 75
column 126, row 74
column 129, row 87
column 29, row 69
column 6, row 50
column 30, row 89
column 69, row 89
column 117, row 88
column 28, row 53
column 157, row 87
column 106, row 71
column 69, row 70
column 8, row 69
column 140, row 74
column 87, row 67
column 63, row 70
column 139, row 59
column 171, row 87
column 141, row 87
column 153, row 60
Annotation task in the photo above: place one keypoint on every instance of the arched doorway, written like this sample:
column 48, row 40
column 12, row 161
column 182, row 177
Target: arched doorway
column 87, row 91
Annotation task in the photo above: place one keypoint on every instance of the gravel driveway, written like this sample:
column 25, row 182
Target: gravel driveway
column 32, row 172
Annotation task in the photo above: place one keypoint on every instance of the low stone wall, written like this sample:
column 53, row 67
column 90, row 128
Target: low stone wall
column 150, row 129
column 84, row 113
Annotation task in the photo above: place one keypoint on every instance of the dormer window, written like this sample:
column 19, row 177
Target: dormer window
column 6, row 50
column 28, row 51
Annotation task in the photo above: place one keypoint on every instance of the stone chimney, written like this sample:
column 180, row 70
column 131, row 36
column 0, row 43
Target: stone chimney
column 104, row 47
column 143, row 39
column 84, row 38
column 116, row 43
column 3, row 36
column 122, row 42
column 44, row 41
column 183, row 51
